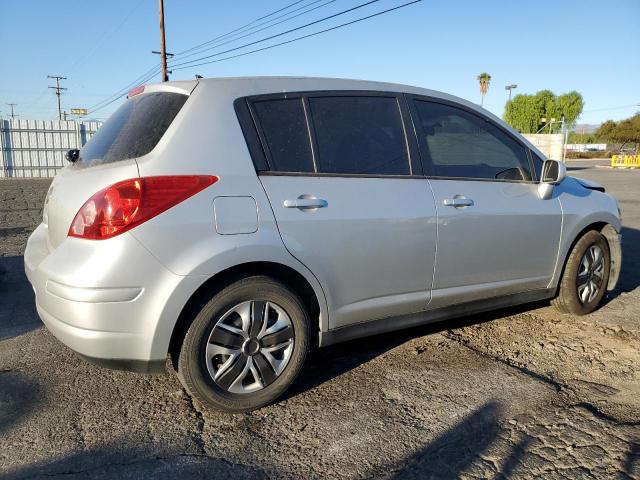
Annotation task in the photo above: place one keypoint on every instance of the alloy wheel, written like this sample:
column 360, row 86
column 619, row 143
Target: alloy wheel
column 590, row 274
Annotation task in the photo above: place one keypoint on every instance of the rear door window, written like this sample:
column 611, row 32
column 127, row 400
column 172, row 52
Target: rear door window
column 359, row 135
column 285, row 134
column 459, row 144
column 134, row 129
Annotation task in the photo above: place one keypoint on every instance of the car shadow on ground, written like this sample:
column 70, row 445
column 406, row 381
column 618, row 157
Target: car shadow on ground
column 18, row 314
column 630, row 273
column 455, row 450
column 330, row 362
column 445, row 457
column 19, row 397
column 128, row 460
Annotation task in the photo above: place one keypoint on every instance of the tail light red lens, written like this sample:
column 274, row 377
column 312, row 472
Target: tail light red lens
column 126, row 204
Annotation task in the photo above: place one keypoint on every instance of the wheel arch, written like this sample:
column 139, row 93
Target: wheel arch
column 278, row 271
column 615, row 250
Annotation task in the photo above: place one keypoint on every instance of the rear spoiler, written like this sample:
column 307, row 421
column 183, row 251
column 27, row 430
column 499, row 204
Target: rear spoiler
column 183, row 86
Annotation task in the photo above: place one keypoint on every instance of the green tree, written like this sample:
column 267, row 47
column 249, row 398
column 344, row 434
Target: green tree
column 627, row 131
column 605, row 131
column 485, row 79
column 569, row 106
column 525, row 112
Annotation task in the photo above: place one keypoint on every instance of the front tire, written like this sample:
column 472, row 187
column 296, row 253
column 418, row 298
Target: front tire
column 246, row 346
column 586, row 275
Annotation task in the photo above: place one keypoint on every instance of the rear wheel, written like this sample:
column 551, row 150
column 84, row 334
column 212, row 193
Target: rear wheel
column 586, row 274
column 246, row 346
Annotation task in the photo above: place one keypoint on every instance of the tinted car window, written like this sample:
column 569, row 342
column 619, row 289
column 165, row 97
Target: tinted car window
column 359, row 135
column 460, row 144
column 285, row 131
column 134, row 129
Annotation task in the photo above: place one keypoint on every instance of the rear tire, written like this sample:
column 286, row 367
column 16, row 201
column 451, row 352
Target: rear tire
column 232, row 363
column 586, row 274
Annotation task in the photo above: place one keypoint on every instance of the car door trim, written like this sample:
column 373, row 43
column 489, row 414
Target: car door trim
column 389, row 324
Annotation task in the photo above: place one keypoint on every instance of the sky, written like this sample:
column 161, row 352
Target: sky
column 103, row 46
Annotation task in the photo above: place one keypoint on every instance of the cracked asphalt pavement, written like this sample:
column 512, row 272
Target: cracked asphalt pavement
column 519, row 393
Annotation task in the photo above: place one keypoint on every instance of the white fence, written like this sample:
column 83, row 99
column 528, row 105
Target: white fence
column 550, row 144
column 586, row 147
column 36, row 148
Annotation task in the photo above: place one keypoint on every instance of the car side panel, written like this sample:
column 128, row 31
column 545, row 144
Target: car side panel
column 506, row 242
column 372, row 247
column 206, row 139
column 581, row 207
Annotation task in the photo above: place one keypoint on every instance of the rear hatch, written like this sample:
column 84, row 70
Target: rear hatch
column 110, row 155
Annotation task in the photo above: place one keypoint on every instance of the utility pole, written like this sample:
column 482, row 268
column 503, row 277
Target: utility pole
column 565, row 137
column 163, row 50
column 166, row 54
column 58, row 89
column 13, row 115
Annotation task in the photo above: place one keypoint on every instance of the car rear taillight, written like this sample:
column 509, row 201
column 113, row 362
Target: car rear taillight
column 129, row 203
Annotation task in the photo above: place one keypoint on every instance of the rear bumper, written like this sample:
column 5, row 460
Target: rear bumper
column 110, row 301
column 137, row 366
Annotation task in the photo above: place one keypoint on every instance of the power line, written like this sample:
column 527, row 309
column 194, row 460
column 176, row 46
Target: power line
column 118, row 96
column 240, row 28
column 147, row 75
column 115, row 96
column 253, row 30
column 302, row 37
column 106, row 34
column 612, row 108
column 362, row 5
column 150, row 73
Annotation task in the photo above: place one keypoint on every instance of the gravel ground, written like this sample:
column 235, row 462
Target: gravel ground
column 519, row 393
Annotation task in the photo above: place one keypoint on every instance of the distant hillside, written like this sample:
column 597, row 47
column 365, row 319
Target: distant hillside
column 585, row 128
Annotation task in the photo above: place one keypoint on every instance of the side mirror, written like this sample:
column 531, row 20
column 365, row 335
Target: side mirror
column 72, row 155
column 553, row 173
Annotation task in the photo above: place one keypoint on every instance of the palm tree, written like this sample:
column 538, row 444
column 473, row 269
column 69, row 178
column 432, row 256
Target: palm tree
column 485, row 79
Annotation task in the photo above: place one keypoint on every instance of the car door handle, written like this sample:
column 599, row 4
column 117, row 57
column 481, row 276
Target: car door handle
column 458, row 202
column 306, row 203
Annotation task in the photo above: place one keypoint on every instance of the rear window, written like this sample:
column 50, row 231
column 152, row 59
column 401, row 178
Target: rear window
column 134, row 129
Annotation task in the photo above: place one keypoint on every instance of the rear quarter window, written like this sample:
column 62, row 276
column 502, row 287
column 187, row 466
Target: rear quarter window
column 134, row 129
column 286, row 137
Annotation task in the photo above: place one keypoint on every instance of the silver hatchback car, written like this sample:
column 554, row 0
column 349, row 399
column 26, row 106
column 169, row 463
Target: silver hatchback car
column 234, row 224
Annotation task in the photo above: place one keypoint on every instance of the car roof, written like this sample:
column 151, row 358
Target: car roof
column 260, row 85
